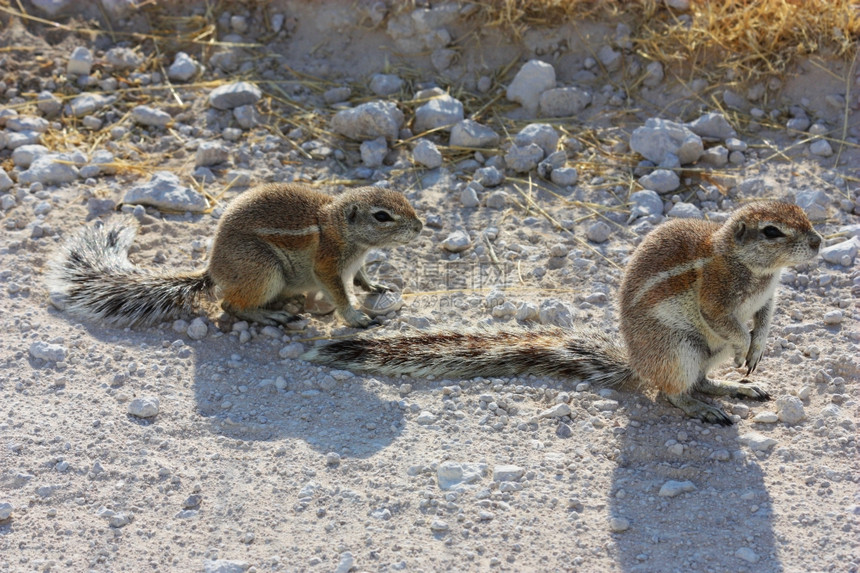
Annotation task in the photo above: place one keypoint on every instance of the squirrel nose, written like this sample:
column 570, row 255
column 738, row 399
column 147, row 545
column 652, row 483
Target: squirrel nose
column 815, row 241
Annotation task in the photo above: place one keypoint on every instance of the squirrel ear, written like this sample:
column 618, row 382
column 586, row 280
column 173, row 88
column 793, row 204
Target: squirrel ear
column 352, row 214
column 742, row 232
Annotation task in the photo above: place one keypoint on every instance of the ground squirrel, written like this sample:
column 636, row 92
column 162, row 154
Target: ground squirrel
column 272, row 242
column 687, row 295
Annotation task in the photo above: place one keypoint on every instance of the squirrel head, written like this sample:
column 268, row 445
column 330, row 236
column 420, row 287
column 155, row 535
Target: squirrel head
column 379, row 217
column 766, row 236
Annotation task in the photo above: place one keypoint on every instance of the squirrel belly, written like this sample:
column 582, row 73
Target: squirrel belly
column 578, row 353
column 95, row 280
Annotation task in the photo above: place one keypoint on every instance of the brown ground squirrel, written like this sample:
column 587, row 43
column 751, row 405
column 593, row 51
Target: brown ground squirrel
column 272, row 242
column 687, row 295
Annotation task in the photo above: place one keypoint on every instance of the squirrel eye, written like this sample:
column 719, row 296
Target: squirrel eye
column 382, row 216
column 772, row 232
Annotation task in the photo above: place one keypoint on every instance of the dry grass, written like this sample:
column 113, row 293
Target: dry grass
column 748, row 37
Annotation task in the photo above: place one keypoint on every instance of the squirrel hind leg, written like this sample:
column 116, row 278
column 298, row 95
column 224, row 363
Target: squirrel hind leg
column 267, row 316
column 698, row 409
column 249, row 302
column 734, row 389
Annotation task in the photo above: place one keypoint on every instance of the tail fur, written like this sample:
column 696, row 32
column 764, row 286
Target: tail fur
column 584, row 354
column 95, row 279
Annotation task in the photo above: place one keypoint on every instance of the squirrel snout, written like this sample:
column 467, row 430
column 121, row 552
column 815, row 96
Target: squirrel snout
column 815, row 241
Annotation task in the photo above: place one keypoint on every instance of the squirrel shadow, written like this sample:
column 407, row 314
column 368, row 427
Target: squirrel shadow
column 244, row 399
column 289, row 399
column 725, row 523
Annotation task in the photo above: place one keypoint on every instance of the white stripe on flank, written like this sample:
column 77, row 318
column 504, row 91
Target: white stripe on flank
column 666, row 275
column 310, row 230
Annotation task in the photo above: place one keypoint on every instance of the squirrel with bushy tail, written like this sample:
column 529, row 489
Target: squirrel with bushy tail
column 688, row 294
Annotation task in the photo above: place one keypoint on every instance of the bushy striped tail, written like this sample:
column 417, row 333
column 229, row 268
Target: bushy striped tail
column 95, row 280
column 583, row 354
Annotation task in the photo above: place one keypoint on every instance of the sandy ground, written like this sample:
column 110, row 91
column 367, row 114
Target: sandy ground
column 256, row 461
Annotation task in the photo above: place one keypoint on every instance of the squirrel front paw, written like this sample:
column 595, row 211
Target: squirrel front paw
column 356, row 318
column 753, row 356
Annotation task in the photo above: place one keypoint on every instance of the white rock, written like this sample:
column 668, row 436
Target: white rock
column 489, row 176
column 497, row 200
column 85, row 104
column 369, row 121
column 556, row 312
column 27, row 123
column 145, row 115
column 646, row 203
column 49, row 104
column 146, row 407
column 840, row 252
column 534, row 78
column 653, row 74
column 833, row 317
column 385, row 84
column 790, row 409
column 717, row 156
column 507, row 472
column 164, row 191
column 123, row 58
column 292, row 350
column 659, row 138
column 6, row 182
column 674, row 488
column 440, row 112
column 198, row 329
column 48, row 352
column 563, row 102
column 564, row 176
column 183, row 68
column 233, row 95
column 80, row 62
column 24, row 155
column 611, row 59
column 472, row 134
column 598, row 232
column 469, row 197
column 454, row 474
column 619, row 524
column 528, row 312
column 347, row 562
column 766, row 418
column 49, row 169
column 542, row 134
column 5, row 511
column 684, row 211
column 224, row 566
column 427, row 154
column 425, row 418
column 439, row 526
column 457, row 242
column 523, row 159
column 757, row 442
column 661, row 181
column 821, row 148
column 556, row 411
column 373, row 151
column 814, row 203
column 747, row 555
column 119, row 519
column 713, row 126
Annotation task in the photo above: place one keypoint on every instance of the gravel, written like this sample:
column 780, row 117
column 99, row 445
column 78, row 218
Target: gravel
column 165, row 191
column 261, row 461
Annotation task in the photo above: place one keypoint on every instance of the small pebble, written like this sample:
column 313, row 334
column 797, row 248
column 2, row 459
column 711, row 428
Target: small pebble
column 619, row 524
column 143, row 407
